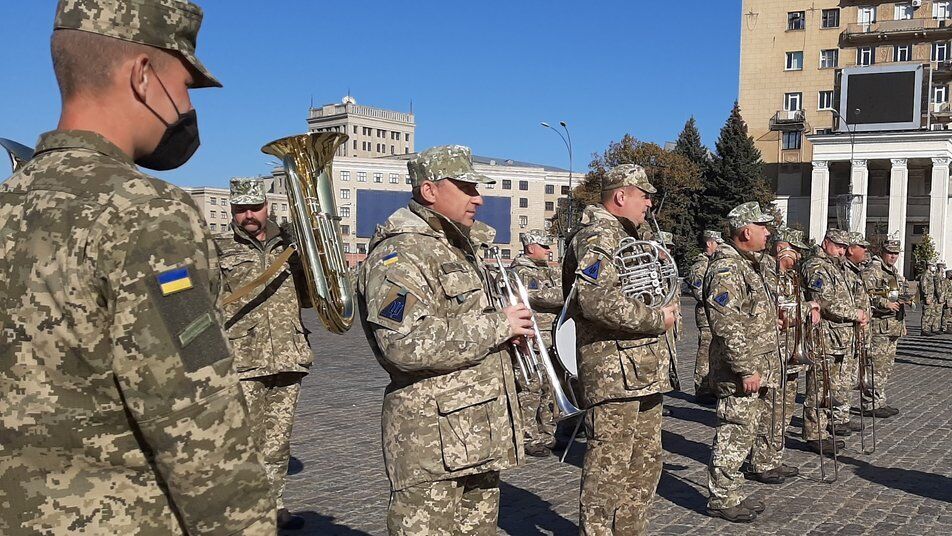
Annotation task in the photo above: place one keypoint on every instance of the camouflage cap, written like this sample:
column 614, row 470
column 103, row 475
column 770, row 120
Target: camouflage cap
column 535, row 236
column 171, row 25
column 892, row 246
column 247, row 191
column 713, row 235
column 747, row 214
column 627, row 175
column 667, row 238
column 940, row 264
column 794, row 237
column 838, row 236
column 856, row 239
column 445, row 162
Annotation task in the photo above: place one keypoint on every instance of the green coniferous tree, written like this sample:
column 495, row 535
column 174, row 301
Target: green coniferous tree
column 690, row 146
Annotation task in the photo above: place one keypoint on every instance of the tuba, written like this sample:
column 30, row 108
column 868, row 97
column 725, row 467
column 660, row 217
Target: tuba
column 315, row 223
column 19, row 154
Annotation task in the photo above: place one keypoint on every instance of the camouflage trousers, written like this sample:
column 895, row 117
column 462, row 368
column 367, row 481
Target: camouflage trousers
column 739, row 420
column 622, row 466
column 947, row 318
column 882, row 352
column 816, row 418
column 271, row 401
column 768, row 451
column 538, row 411
column 467, row 505
column 702, row 360
column 931, row 318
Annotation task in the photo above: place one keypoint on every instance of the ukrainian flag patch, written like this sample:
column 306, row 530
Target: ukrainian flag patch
column 390, row 259
column 174, row 281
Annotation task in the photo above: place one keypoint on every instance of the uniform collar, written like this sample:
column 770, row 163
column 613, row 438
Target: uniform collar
column 80, row 139
column 598, row 213
column 271, row 231
column 440, row 223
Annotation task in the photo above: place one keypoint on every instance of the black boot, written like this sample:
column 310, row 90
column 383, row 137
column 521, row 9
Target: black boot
column 770, row 476
column 287, row 521
column 734, row 514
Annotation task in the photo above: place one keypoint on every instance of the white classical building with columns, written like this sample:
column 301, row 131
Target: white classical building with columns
column 894, row 183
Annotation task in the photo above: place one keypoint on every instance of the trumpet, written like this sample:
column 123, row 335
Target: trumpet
column 535, row 359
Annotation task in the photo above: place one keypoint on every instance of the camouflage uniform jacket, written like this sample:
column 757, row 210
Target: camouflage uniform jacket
column 265, row 326
column 121, row 411
column 451, row 408
column 619, row 340
column 941, row 289
column 826, row 283
column 784, row 289
column 695, row 282
column 854, row 278
column 882, row 280
column 544, row 284
column 927, row 287
column 741, row 311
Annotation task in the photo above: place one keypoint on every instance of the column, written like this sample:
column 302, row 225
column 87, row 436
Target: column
column 819, row 199
column 859, row 186
column 939, row 207
column 898, row 201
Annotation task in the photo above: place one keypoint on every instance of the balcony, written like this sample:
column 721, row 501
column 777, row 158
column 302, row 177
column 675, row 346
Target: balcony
column 871, row 32
column 787, row 120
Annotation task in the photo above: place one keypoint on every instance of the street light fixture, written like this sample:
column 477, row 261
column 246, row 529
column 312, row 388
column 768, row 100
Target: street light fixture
column 567, row 140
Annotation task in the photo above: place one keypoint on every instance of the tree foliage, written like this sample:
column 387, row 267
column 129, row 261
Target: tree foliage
column 922, row 254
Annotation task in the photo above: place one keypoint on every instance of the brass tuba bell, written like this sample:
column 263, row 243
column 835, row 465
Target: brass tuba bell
column 316, row 225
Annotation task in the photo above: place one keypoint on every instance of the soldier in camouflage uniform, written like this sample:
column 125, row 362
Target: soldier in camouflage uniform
column 942, row 297
column 780, row 272
column 271, row 350
column 885, row 283
column 121, row 411
column 544, row 285
column 669, row 341
column 854, row 262
column 826, row 283
column 947, row 311
column 450, row 414
column 622, row 366
column 930, row 308
column 744, row 365
column 695, row 281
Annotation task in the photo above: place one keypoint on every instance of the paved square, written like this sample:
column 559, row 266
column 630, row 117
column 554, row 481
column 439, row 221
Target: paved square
column 337, row 478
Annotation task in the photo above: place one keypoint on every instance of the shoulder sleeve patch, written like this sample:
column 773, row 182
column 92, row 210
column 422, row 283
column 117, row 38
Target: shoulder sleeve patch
column 396, row 304
column 533, row 284
column 697, row 282
column 816, row 283
column 593, row 270
column 722, row 299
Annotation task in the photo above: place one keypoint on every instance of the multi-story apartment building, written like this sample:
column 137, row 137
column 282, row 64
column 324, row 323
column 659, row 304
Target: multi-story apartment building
column 827, row 171
column 373, row 131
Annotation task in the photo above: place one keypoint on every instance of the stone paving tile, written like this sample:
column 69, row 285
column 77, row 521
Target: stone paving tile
column 338, row 484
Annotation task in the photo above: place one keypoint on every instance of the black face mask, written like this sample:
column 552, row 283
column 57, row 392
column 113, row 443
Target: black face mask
column 178, row 143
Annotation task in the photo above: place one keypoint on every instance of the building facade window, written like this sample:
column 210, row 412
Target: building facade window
column 825, row 100
column 830, row 18
column 344, row 212
column 940, row 51
column 904, row 11
column 409, row 180
column 795, row 61
column 792, row 102
column 866, row 14
column 506, row 184
column 346, row 247
column 345, row 176
column 549, row 189
column 523, row 185
column 902, row 53
column 213, row 200
column 940, row 94
column 394, row 178
column 362, row 249
column 506, row 253
column 223, row 215
column 378, row 178
column 523, row 202
column 523, row 221
column 565, row 190
column 361, row 176
column 941, row 9
column 830, row 58
column 796, row 20
column 214, row 227
column 345, row 230
column 791, row 140
column 865, row 55
column 549, row 206
column 344, row 193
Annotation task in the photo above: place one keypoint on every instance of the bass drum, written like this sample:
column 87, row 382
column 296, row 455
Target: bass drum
column 565, row 346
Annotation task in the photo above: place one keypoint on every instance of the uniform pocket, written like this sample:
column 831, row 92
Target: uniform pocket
column 466, row 424
column 639, row 362
column 458, row 282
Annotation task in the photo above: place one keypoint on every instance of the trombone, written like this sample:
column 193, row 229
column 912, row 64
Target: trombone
column 535, row 356
column 821, row 381
column 866, row 383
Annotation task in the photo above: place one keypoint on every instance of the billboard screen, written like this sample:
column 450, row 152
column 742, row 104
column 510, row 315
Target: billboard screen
column 881, row 98
column 375, row 206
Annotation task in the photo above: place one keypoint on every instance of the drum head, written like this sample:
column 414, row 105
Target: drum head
column 565, row 346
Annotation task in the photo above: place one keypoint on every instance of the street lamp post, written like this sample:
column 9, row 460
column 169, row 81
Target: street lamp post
column 849, row 199
column 567, row 140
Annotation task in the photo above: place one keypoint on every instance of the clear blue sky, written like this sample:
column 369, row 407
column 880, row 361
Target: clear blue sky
column 481, row 73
